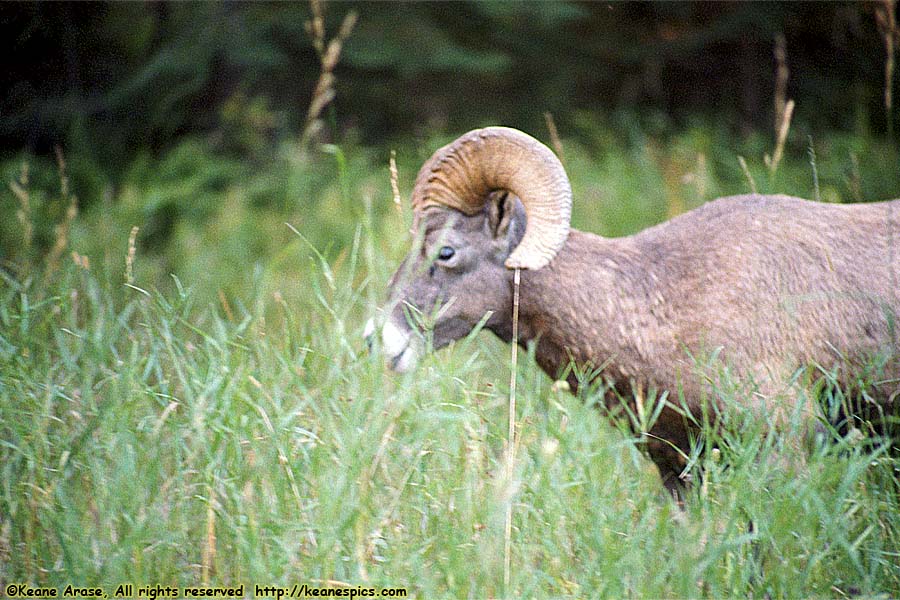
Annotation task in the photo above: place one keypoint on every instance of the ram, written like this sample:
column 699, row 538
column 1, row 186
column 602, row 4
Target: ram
column 753, row 288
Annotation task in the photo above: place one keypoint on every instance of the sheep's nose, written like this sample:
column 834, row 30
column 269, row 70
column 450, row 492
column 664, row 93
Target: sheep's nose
column 369, row 333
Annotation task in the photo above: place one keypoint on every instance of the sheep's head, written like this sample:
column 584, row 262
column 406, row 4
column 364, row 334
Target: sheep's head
column 492, row 201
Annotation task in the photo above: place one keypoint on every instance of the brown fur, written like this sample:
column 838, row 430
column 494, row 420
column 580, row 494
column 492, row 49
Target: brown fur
column 768, row 285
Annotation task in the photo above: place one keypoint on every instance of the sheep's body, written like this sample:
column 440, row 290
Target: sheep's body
column 745, row 291
column 766, row 284
column 773, row 281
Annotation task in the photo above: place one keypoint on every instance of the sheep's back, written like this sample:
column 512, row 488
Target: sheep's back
column 773, row 282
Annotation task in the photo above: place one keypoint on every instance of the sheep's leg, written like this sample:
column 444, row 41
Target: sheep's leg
column 795, row 414
column 670, row 461
column 675, row 485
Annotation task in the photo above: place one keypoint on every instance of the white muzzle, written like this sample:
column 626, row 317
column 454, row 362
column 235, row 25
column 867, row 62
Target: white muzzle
column 401, row 348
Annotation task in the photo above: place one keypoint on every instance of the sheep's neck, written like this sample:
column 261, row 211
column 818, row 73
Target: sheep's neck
column 589, row 309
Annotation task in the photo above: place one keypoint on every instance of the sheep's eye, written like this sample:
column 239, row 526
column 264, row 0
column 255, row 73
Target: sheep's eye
column 446, row 253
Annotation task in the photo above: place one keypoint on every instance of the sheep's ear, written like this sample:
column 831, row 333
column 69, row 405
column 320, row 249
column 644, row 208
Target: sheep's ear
column 501, row 210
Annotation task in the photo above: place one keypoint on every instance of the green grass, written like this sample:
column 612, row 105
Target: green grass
column 155, row 443
column 180, row 438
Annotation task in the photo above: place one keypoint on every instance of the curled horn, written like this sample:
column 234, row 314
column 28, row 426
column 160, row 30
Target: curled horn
column 462, row 174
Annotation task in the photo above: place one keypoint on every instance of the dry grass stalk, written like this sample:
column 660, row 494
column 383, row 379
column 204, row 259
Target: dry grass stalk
column 129, row 258
column 329, row 55
column 81, row 261
column 63, row 177
column 5, row 537
column 781, row 78
column 209, row 548
column 554, row 136
column 782, row 131
column 315, row 27
column 61, row 231
column 784, row 108
column 395, row 180
column 886, row 17
column 743, row 162
column 225, row 306
column 511, row 437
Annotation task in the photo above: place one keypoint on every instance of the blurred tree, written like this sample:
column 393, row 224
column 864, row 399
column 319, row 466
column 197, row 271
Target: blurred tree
column 114, row 80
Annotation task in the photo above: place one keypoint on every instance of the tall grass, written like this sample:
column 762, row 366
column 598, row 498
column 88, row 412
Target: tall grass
column 156, row 434
column 157, row 443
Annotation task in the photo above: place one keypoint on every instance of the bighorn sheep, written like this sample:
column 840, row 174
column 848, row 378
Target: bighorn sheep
column 768, row 285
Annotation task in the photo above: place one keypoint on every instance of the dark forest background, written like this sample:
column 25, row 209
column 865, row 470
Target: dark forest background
column 208, row 125
column 122, row 78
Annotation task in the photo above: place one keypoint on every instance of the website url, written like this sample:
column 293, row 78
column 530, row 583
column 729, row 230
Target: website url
column 305, row 591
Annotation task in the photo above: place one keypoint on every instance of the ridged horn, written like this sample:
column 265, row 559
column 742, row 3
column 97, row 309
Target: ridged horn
column 462, row 174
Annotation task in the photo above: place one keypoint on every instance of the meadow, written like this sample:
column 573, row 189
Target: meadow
column 191, row 403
